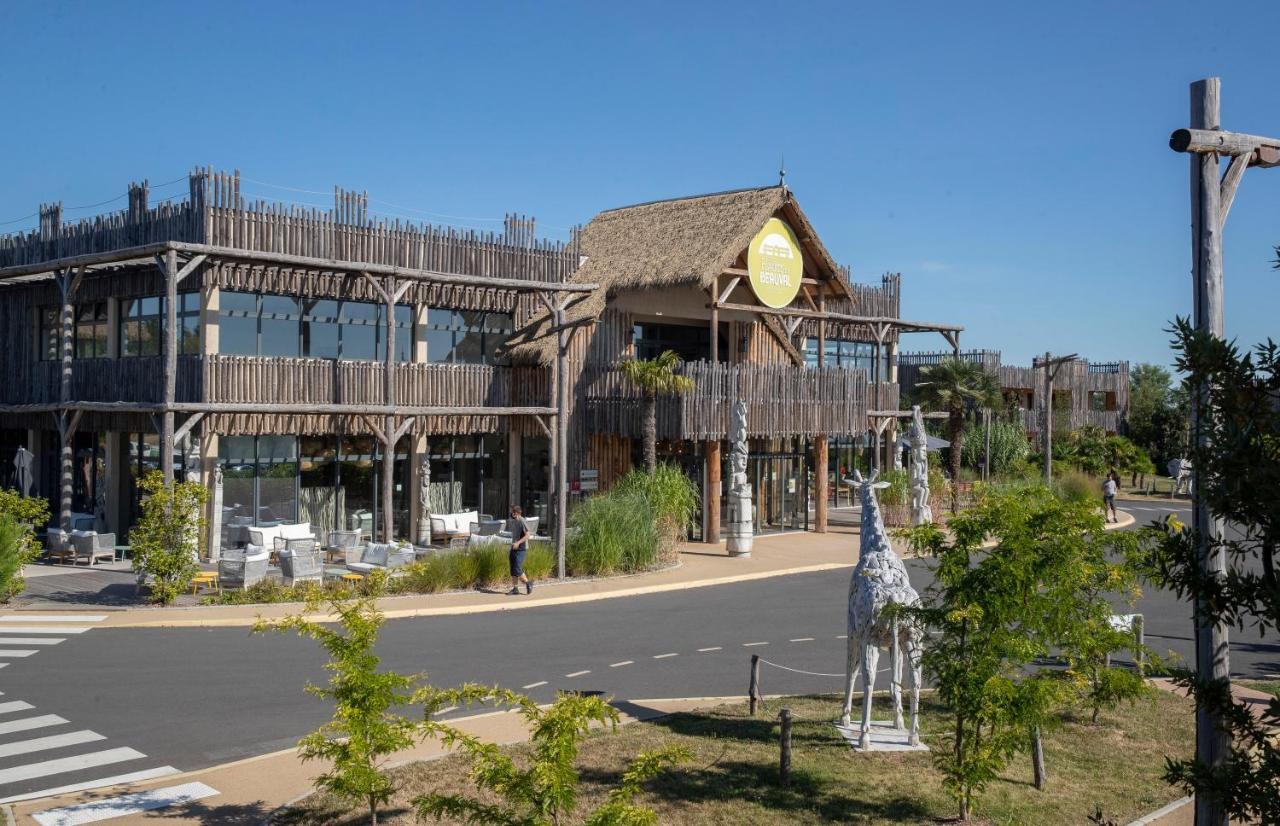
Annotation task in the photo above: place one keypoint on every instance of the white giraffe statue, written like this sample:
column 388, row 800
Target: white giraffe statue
column 879, row 580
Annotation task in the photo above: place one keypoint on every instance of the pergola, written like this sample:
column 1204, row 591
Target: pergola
column 388, row 422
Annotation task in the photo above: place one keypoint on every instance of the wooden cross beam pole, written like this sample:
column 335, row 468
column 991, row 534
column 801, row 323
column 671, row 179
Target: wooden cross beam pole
column 1050, row 365
column 1260, row 151
column 169, row 266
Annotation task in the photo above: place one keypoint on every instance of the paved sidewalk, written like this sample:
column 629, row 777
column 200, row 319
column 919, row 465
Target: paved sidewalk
column 249, row 790
column 700, row 565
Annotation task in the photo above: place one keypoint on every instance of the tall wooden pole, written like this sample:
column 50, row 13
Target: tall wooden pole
column 66, row 285
column 389, row 423
column 170, row 363
column 714, row 484
column 1048, row 417
column 1213, row 742
column 562, row 434
column 820, row 484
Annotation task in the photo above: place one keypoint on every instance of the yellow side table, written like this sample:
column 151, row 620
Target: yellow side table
column 206, row 578
column 352, row 577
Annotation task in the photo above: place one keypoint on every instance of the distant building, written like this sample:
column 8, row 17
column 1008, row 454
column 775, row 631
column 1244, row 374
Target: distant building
column 1084, row 393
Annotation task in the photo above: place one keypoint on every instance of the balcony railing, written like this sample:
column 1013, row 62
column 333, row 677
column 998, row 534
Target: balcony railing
column 135, row 379
column 255, row 379
column 780, row 399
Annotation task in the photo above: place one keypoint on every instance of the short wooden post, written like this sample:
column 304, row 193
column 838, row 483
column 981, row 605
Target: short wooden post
column 1139, row 639
column 753, row 689
column 784, row 747
column 1037, row 758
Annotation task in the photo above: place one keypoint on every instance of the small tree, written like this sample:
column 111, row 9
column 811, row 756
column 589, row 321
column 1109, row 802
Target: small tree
column 545, row 791
column 365, row 729
column 19, row 517
column 996, row 611
column 1237, row 474
column 654, row 376
column 955, row 385
column 166, row 540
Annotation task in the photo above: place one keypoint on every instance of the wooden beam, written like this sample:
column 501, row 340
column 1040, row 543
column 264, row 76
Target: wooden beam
column 733, row 285
column 191, row 422
column 1230, row 182
column 896, row 323
column 300, row 408
column 189, row 267
column 1215, row 141
column 170, row 348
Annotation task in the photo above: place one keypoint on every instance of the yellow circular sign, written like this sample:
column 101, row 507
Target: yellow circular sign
column 774, row 264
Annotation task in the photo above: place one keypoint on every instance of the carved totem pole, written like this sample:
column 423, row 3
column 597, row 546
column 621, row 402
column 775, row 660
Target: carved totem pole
column 921, row 513
column 738, row 531
column 424, row 501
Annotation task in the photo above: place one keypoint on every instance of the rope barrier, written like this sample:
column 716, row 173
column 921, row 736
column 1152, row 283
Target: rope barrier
column 799, row 671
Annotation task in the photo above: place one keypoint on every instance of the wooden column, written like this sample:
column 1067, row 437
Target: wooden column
column 562, row 434
column 820, row 484
column 715, row 322
column 1213, row 742
column 389, row 423
column 1048, row 418
column 170, row 270
column 712, row 503
column 66, row 286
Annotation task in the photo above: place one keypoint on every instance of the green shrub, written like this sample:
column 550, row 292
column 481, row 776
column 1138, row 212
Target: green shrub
column 1009, row 444
column 1075, row 486
column 18, row 545
column 613, row 532
column 492, row 565
column 429, row 575
column 167, row 537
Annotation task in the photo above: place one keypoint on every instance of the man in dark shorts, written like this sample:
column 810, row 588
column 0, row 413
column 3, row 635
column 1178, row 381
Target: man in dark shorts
column 519, row 547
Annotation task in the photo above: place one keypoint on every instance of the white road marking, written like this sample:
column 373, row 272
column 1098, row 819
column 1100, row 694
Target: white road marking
column 4, row 665
column 446, row 710
column 124, row 805
column 18, row 652
column 533, row 685
column 57, row 741
column 624, row 662
column 578, row 673
column 803, row 639
column 842, row 636
column 54, row 618
column 45, row 629
column 712, row 648
column 14, row 705
column 749, row 644
column 31, row 640
column 664, row 656
column 131, row 777
column 29, row 723
column 69, row 764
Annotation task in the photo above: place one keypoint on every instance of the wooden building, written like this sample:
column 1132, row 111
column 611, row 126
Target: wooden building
column 814, row 366
column 1084, row 393
column 351, row 372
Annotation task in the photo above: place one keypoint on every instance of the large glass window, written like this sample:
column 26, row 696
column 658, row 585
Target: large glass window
column 275, row 325
column 142, row 321
column 259, row 478
column 843, row 353
column 88, row 331
column 465, row 337
column 469, row 473
column 690, row 342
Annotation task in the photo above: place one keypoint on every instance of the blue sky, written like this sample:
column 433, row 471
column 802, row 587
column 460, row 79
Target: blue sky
column 1009, row 159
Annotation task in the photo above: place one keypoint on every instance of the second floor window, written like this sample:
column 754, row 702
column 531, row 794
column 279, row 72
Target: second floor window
column 278, row 325
column 142, row 325
column 840, row 353
column 465, row 336
column 88, row 331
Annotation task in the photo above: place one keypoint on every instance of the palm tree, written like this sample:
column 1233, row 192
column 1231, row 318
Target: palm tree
column 953, row 385
column 654, row 376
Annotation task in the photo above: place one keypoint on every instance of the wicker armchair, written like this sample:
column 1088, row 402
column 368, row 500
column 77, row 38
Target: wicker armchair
column 343, row 544
column 92, row 546
column 380, row 556
column 242, row 567
column 301, row 565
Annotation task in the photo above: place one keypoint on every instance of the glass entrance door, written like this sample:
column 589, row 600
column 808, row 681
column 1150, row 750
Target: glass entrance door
column 779, row 474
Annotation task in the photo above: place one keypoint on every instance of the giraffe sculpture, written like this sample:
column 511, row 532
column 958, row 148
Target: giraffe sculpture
column 880, row 580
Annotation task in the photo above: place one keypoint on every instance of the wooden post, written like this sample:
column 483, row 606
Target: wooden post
column 1140, row 642
column 712, row 502
column 784, row 747
column 562, row 434
column 753, row 688
column 820, row 484
column 1213, row 742
column 1048, row 419
column 1037, row 758
column 170, row 269
column 715, row 321
column 986, row 451
column 65, row 286
column 389, row 424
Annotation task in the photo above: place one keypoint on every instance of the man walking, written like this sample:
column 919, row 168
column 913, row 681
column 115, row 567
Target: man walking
column 519, row 530
column 1109, row 497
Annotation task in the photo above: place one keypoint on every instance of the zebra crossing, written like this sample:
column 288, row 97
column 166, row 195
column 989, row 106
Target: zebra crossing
column 44, row 754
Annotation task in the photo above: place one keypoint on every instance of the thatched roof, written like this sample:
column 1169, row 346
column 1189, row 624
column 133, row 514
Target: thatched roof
column 682, row 241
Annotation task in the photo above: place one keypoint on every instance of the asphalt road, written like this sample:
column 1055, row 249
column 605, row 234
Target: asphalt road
column 191, row 698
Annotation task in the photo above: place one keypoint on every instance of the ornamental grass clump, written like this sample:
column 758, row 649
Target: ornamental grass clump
column 615, row 532
column 674, row 500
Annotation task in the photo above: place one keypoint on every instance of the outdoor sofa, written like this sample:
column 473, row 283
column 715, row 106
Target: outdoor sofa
column 447, row 525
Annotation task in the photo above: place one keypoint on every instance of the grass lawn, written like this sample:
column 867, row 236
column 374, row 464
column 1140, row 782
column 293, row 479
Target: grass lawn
column 733, row 777
column 1271, row 687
